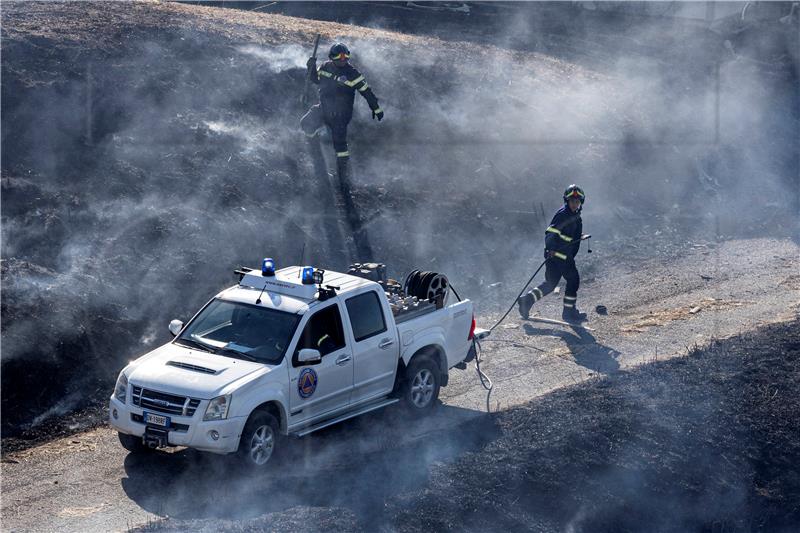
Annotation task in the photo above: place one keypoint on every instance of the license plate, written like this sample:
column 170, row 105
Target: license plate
column 157, row 420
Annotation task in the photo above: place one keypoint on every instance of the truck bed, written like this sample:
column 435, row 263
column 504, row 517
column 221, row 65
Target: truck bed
column 452, row 321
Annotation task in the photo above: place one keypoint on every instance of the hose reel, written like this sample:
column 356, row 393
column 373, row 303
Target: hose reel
column 430, row 286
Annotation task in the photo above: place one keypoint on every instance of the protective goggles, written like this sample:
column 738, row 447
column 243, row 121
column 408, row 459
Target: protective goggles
column 575, row 194
column 339, row 56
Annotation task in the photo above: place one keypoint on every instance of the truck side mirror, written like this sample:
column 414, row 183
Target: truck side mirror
column 309, row 356
column 175, row 327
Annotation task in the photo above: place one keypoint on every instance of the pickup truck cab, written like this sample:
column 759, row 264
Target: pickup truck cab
column 279, row 355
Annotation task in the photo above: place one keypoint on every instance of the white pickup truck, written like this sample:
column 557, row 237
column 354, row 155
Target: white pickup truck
column 279, row 354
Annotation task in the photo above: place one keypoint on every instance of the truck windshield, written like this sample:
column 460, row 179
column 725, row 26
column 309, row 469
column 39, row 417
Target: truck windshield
column 241, row 330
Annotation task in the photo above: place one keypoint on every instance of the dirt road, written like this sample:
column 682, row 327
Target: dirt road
column 657, row 309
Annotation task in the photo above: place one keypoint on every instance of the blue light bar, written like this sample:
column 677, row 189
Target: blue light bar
column 267, row 267
column 308, row 275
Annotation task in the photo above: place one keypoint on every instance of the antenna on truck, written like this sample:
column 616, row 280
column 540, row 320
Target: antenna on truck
column 258, row 300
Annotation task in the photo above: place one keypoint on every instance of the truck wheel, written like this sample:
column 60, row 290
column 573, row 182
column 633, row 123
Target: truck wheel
column 422, row 385
column 260, row 439
column 132, row 443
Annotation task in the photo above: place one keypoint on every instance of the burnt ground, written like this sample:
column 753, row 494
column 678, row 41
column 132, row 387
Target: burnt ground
column 170, row 141
column 150, row 148
column 705, row 442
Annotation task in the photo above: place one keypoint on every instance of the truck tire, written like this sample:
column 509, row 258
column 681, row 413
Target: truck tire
column 132, row 443
column 260, row 441
column 422, row 384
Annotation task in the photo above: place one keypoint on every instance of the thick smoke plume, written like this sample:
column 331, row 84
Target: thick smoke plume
column 136, row 176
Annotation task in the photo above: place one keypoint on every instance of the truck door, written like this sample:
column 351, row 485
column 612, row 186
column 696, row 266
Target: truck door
column 326, row 386
column 375, row 349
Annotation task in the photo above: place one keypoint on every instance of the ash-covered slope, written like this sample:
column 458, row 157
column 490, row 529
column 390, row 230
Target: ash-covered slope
column 150, row 148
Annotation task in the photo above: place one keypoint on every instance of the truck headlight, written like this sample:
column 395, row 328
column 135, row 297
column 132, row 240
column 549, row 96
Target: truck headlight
column 218, row 408
column 121, row 388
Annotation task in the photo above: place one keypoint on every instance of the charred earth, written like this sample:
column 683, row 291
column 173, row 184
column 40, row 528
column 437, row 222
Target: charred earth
column 150, row 148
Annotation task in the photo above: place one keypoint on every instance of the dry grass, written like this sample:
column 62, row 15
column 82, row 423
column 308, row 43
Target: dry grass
column 109, row 24
column 665, row 316
column 84, row 442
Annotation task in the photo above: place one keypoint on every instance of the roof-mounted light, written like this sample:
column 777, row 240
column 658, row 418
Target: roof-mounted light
column 267, row 267
column 287, row 281
column 308, row 275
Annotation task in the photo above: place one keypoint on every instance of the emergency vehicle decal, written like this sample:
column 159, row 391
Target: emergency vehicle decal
column 307, row 383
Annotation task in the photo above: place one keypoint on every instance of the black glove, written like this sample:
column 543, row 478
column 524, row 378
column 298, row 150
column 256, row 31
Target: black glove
column 377, row 113
column 311, row 64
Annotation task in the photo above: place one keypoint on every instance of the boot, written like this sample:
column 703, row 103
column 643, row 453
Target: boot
column 525, row 302
column 571, row 314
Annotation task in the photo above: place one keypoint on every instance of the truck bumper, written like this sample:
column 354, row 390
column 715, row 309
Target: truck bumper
column 471, row 353
column 193, row 432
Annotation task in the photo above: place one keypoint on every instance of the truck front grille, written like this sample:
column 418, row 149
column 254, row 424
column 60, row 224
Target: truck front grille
column 162, row 402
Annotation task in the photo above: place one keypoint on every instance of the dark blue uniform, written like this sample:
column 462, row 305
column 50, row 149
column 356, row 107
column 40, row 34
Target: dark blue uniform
column 561, row 242
column 563, row 235
column 337, row 89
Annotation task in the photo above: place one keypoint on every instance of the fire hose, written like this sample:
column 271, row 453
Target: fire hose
column 486, row 382
column 583, row 238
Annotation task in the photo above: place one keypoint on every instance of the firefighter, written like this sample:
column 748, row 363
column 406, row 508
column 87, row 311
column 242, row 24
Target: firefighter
column 338, row 82
column 561, row 243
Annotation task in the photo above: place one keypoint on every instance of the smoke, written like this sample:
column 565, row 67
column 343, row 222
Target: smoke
column 359, row 457
column 675, row 131
column 164, row 164
column 136, row 179
column 139, row 177
column 278, row 58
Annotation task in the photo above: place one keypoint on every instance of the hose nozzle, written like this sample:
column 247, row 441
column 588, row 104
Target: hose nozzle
column 586, row 238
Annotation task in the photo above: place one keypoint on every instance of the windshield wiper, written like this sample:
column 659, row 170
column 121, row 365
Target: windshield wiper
column 235, row 353
column 195, row 344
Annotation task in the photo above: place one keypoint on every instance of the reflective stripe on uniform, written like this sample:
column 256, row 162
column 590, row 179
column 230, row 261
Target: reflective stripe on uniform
column 343, row 154
column 570, row 298
column 560, row 255
column 324, row 73
column 569, row 305
column 555, row 230
column 377, row 110
column 537, row 293
column 552, row 229
column 364, row 87
column 354, row 82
